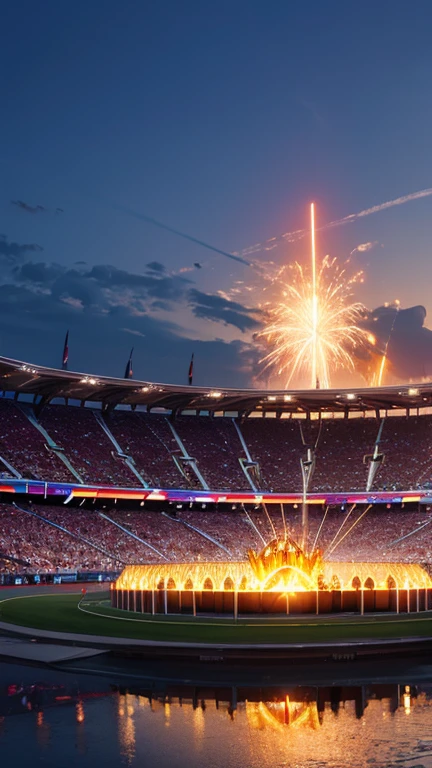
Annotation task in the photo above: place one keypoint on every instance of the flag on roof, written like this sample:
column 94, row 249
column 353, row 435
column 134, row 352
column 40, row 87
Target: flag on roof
column 129, row 372
column 65, row 352
column 190, row 374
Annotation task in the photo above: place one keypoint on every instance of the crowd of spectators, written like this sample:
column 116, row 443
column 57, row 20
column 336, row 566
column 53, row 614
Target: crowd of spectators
column 216, row 446
column 150, row 442
column 25, row 448
column 342, row 448
column 84, row 540
column 86, row 445
column 277, row 447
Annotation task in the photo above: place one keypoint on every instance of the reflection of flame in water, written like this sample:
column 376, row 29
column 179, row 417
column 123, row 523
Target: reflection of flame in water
column 407, row 700
column 79, row 708
column 43, row 730
column 198, row 721
column 278, row 715
column 126, row 727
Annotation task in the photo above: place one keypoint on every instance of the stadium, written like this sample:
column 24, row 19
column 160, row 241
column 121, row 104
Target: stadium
column 101, row 476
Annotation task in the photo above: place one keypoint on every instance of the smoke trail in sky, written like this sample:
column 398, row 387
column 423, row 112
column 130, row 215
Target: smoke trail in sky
column 156, row 223
column 273, row 242
column 298, row 234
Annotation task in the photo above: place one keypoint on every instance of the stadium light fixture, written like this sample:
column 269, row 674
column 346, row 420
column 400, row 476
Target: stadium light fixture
column 287, row 398
column 272, row 398
column 216, row 395
column 413, row 391
column 351, row 396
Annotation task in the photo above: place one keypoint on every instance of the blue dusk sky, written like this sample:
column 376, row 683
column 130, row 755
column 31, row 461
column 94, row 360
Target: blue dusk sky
column 222, row 120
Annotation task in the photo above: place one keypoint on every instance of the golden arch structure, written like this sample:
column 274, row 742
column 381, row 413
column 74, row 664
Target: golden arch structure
column 280, row 579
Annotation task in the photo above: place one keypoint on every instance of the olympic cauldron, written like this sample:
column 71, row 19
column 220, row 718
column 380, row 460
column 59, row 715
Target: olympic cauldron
column 282, row 578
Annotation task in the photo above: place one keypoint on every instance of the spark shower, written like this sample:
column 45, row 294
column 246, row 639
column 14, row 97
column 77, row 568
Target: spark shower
column 315, row 327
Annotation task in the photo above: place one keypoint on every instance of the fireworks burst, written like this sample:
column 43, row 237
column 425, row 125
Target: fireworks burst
column 315, row 328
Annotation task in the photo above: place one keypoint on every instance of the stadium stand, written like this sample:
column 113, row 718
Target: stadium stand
column 25, row 448
column 277, row 447
column 151, row 443
column 163, row 461
column 53, row 539
column 216, row 446
column 86, row 445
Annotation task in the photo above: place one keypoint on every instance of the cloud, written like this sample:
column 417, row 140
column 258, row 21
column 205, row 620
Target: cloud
column 364, row 247
column 156, row 266
column 33, row 324
column 17, row 250
column 220, row 309
column 408, row 342
column 134, row 332
column 103, row 306
column 28, row 208
column 39, row 273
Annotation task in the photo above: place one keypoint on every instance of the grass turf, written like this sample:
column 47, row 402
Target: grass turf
column 60, row 613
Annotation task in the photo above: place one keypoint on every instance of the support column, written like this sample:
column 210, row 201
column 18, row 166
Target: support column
column 153, row 601
column 361, row 601
column 165, row 602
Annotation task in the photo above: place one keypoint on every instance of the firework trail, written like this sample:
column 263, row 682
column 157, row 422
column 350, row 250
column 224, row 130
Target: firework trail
column 167, row 228
column 385, row 354
column 299, row 234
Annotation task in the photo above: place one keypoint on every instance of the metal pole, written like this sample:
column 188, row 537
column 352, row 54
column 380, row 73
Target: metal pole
column 165, row 601
column 194, row 602
column 362, row 601
column 153, row 601
column 305, row 518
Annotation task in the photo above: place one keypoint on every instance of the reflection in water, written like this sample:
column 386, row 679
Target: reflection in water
column 126, row 727
column 172, row 725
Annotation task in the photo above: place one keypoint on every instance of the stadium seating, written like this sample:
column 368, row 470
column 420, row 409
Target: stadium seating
column 149, row 440
column 215, row 444
column 86, row 445
column 277, row 445
column 84, row 540
column 25, row 448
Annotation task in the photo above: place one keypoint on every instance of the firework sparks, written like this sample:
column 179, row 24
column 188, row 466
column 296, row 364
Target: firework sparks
column 314, row 329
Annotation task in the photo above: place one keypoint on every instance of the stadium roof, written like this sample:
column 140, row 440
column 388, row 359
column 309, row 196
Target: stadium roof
column 49, row 383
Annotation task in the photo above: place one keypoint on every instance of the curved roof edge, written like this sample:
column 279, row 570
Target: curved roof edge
column 48, row 383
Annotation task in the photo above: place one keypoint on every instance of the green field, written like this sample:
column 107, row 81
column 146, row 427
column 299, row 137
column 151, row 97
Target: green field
column 61, row 613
